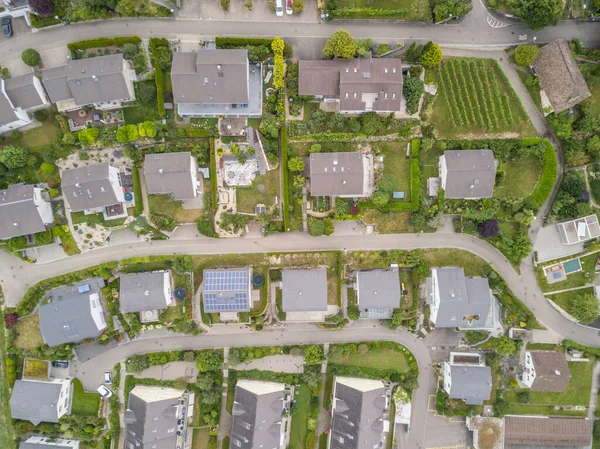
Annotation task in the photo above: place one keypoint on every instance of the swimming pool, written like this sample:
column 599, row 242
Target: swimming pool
column 571, row 266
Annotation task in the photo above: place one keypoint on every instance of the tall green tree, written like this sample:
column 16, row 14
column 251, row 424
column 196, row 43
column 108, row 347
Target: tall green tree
column 340, row 45
column 432, row 54
column 526, row 54
column 13, row 157
column 295, row 164
column 585, row 308
column 538, row 14
column 446, row 9
column 31, row 57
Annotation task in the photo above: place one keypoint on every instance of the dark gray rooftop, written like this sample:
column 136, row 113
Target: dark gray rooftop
column 257, row 412
column 473, row 384
column 471, row 173
column 35, row 401
column 379, row 289
column 170, row 173
column 48, row 443
column 22, row 92
column 304, row 290
column 88, row 187
column 18, row 212
column 338, row 174
column 143, row 291
column 7, row 112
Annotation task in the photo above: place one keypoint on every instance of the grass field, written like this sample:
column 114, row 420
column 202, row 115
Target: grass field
column 382, row 358
column 200, row 439
column 473, row 265
column 42, row 135
column 520, row 179
column 6, row 428
column 396, row 163
column 563, row 300
column 81, row 217
column 387, row 222
column 534, row 91
column 28, row 333
column 475, row 98
column 84, row 403
column 164, row 204
column 300, row 417
column 248, row 197
column 405, row 9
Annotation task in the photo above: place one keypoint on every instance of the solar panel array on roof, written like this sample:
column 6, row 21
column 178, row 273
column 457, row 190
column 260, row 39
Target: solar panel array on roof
column 226, row 290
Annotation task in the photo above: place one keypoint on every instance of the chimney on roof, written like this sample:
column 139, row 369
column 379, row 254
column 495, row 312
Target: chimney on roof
column 146, row 293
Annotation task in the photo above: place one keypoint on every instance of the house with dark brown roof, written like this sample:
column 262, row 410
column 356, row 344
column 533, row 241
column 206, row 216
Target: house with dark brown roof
column 546, row 371
column 358, row 85
column 347, row 175
column 546, row 432
column 561, row 82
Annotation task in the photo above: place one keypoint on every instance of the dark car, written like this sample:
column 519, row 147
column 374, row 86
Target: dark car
column 60, row 364
column 7, row 26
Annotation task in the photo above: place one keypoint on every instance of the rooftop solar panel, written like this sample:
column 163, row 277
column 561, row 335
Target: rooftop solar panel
column 226, row 290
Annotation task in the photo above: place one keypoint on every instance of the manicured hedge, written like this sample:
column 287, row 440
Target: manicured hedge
column 104, row 42
column 286, row 183
column 241, row 42
column 575, row 345
column 159, row 79
column 137, row 192
column 548, row 177
column 213, row 175
column 330, row 137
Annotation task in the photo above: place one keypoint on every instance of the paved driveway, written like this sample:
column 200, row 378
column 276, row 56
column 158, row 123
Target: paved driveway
column 200, row 9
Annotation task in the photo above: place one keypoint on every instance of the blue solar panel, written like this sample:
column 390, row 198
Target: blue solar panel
column 226, row 291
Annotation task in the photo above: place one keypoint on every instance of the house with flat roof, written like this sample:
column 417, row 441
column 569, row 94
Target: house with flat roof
column 304, row 294
column 105, row 82
column 157, row 417
column 561, row 84
column 467, row 378
column 377, row 293
column 547, row 432
column 360, row 409
column 227, row 291
column 24, row 210
column 147, row 293
column 42, row 442
column 461, row 302
column 358, row 85
column 93, row 189
column 468, row 174
column 174, row 174
column 347, row 175
column 216, row 83
column 579, row 230
column 73, row 313
column 545, row 371
column 257, row 412
column 39, row 401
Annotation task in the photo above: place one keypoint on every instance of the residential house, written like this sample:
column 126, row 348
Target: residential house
column 347, row 175
column 104, row 82
column 547, row 432
column 467, row 378
column 216, row 83
column 360, row 409
column 147, row 293
column 468, row 174
column 546, row 371
column 18, row 96
column 41, row 442
column 157, row 417
column 461, row 302
column 174, row 174
column 227, row 291
column 304, row 294
column 358, row 85
column 564, row 239
column 562, row 85
column 93, row 189
column 24, row 210
column 73, row 313
column 41, row 401
column 377, row 293
column 579, row 230
column 257, row 415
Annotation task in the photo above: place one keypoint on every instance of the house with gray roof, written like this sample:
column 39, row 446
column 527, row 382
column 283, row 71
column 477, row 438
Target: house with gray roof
column 344, row 175
column 106, row 82
column 157, row 418
column 360, row 409
column 174, row 174
column 257, row 412
column 216, row 83
column 18, row 96
column 545, row 371
column 377, row 293
column 461, row 302
column 304, row 294
column 24, row 210
column 561, row 84
column 227, row 291
column 73, row 313
column 41, row 442
column 358, row 85
column 147, row 293
column 466, row 377
column 92, row 188
column 39, row 401
column 468, row 174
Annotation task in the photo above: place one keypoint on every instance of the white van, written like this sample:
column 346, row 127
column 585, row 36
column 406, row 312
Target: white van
column 279, row 8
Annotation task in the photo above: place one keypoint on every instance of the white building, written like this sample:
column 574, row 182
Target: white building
column 41, row 442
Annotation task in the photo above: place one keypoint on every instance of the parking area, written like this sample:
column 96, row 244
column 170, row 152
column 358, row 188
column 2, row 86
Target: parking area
column 19, row 27
column 445, row 433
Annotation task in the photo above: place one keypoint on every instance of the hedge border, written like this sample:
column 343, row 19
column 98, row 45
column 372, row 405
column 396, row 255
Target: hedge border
column 213, row 175
column 137, row 192
column 285, row 178
column 103, row 42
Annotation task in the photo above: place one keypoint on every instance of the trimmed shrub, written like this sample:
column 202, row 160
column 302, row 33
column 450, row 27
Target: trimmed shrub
column 127, row 133
column 47, row 168
column 31, row 57
column 88, row 136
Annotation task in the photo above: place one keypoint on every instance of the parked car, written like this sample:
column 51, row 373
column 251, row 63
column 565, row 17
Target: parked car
column 279, row 8
column 108, row 377
column 7, row 26
column 288, row 7
column 104, row 391
column 60, row 364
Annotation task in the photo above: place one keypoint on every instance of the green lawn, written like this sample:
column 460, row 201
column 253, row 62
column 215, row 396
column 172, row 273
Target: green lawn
column 563, row 300
column 249, row 197
column 534, row 91
column 300, row 417
column 173, row 313
column 446, row 257
column 28, row 333
column 399, row 9
column 164, row 204
column 595, row 100
column 396, row 163
column 520, row 179
column 200, row 438
column 577, row 279
column 42, row 135
column 140, row 113
column 84, row 403
column 6, row 429
column 382, row 358
column 95, row 219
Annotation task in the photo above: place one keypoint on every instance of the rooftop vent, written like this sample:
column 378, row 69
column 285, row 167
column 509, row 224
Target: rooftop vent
column 94, row 77
column 161, row 171
column 15, row 224
column 146, row 293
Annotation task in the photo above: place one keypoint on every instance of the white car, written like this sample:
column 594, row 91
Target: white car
column 288, row 7
column 107, row 377
column 104, row 392
column 279, row 8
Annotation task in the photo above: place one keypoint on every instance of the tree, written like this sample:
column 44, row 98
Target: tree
column 316, row 227
column 88, row 136
column 11, row 319
column 42, row 7
column 504, row 345
column 129, row 49
column 147, row 129
column 137, row 363
column 297, row 6
column 447, row 9
column 538, row 14
column 524, row 396
column 315, row 148
column 313, row 354
column 208, row 360
column 13, row 157
column 211, row 397
column 182, row 264
column 340, row 45
column 127, row 133
column 206, row 381
column 432, row 54
column 163, row 57
column 593, row 147
column 380, row 199
column 311, row 379
column 526, row 54
column 31, row 57
column 126, row 8
column 298, row 181
column 585, row 308
column 146, row 93
column 189, row 356
column 295, row 164
column 413, row 89
column 488, row 228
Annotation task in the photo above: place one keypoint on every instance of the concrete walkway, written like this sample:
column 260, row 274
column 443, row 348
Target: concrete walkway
column 226, row 419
